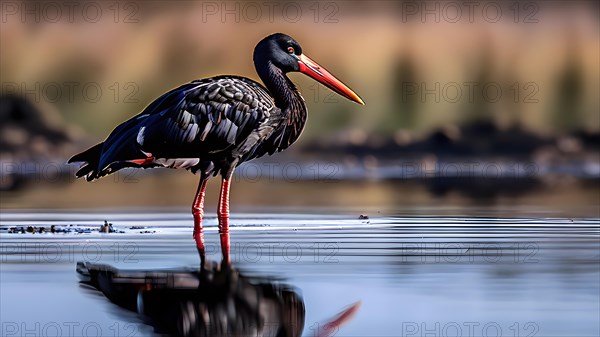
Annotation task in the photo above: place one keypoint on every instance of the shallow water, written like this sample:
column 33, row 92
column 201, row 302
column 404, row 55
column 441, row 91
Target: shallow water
column 414, row 276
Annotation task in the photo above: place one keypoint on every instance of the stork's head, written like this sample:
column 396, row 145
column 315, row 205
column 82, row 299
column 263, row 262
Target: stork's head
column 286, row 54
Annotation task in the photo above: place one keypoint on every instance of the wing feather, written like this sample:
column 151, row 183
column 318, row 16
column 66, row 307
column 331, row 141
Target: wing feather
column 198, row 118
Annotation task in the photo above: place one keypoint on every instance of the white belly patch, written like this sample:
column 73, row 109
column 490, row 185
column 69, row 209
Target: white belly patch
column 177, row 163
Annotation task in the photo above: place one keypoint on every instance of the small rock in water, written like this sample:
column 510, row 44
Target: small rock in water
column 107, row 228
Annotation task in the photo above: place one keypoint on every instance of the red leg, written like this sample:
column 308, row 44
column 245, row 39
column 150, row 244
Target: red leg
column 198, row 213
column 223, row 215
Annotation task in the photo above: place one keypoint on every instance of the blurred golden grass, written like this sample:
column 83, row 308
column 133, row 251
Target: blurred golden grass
column 171, row 45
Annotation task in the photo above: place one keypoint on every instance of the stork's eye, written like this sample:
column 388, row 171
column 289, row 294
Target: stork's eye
column 291, row 50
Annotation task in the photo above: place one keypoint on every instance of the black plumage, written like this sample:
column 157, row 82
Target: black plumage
column 212, row 125
column 219, row 120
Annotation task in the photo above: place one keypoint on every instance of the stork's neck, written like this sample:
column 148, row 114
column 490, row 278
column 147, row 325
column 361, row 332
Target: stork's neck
column 288, row 99
column 284, row 92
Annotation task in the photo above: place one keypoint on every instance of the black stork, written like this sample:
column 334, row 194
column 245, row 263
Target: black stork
column 212, row 125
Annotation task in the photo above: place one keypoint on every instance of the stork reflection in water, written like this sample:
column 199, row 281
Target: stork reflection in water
column 214, row 301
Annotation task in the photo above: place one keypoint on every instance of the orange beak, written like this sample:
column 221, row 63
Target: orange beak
column 320, row 74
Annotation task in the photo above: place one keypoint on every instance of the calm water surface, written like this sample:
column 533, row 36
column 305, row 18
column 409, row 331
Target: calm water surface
column 443, row 275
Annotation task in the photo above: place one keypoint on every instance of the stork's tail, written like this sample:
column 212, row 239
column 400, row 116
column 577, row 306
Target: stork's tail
column 91, row 159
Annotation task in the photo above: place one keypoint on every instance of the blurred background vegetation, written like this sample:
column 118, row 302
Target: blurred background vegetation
column 421, row 74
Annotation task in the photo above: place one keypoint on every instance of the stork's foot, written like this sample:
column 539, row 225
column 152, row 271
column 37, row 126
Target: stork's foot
column 226, row 265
